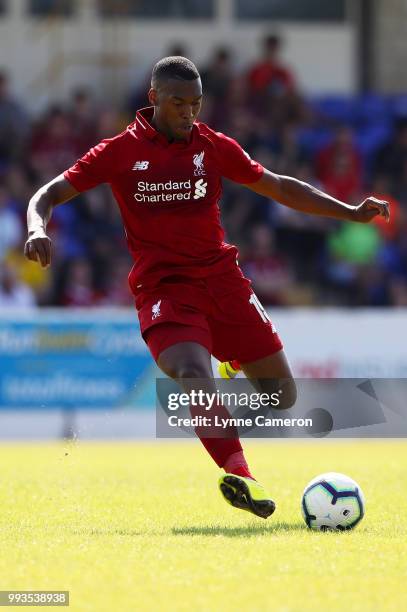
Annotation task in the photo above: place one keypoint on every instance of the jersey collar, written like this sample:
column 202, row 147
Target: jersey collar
column 142, row 125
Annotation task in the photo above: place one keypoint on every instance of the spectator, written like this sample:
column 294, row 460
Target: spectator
column 11, row 229
column 19, row 184
column 393, row 254
column 216, row 81
column 83, row 118
column 14, row 294
column 371, row 287
column 54, row 146
column 269, row 76
column 391, row 158
column 398, row 292
column 289, row 154
column 352, row 249
column 339, row 167
column 79, row 286
column 109, row 123
column 400, row 187
column 272, row 88
column 14, row 125
column 217, row 76
column 299, row 234
column 380, row 189
column 363, row 264
column 269, row 273
column 37, row 279
column 355, row 243
column 117, row 292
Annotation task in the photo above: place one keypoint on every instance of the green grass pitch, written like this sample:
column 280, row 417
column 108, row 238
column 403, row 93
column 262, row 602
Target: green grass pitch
column 131, row 526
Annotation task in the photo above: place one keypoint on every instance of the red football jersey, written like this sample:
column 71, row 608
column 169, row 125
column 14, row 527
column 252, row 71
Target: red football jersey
column 168, row 194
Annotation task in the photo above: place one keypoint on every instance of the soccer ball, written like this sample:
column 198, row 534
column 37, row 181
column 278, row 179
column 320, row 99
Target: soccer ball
column 332, row 501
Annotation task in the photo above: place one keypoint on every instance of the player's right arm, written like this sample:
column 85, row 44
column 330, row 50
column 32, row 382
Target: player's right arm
column 38, row 245
column 99, row 165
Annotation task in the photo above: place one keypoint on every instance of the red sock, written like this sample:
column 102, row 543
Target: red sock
column 235, row 364
column 227, row 452
column 221, row 448
column 237, row 464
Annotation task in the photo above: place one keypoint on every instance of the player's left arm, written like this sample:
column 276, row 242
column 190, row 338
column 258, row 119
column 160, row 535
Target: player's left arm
column 306, row 198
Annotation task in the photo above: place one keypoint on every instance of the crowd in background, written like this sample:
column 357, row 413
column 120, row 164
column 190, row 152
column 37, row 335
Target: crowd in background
column 350, row 147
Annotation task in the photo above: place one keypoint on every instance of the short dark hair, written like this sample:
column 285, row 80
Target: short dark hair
column 272, row 41
column 174, row 67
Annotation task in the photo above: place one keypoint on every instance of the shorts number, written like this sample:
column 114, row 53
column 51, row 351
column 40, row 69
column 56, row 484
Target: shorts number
column 259, row 307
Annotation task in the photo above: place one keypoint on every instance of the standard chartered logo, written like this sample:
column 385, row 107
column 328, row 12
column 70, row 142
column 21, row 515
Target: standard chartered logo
column 200, row 189
column 170, row 191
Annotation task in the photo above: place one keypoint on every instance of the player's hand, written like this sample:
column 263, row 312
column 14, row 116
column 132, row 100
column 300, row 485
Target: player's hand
column 38, row 248
column 369, row 209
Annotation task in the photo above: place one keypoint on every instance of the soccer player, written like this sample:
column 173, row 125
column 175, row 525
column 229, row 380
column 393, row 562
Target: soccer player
column 192, row 299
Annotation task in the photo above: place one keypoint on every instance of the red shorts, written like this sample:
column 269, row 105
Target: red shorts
column 220, row 312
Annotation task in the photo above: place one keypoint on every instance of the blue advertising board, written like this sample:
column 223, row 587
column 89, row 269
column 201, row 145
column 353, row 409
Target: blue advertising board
column 74, row 359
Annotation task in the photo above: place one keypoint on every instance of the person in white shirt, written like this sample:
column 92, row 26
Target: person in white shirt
column 13, row 293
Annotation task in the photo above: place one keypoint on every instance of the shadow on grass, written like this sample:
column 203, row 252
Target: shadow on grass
column 244, row 531
column 239, row 532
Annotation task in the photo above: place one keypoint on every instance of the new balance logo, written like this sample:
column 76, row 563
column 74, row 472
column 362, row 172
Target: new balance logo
column 141, row 165
column 155, row 310
column 200, row 189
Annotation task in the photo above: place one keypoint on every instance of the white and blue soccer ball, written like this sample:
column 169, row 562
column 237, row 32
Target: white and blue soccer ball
column 332, row 502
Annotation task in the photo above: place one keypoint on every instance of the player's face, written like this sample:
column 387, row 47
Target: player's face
column 177, row 105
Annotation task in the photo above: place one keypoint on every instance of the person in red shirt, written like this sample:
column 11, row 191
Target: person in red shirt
column 268, row 74
column 339, row 166
column 271, row 87
column 268, row 271
column 53, row 145
column 165, row 171
column 79, row 290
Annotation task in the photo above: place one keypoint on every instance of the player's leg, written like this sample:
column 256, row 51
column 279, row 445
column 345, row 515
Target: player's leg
column 272, row 374
column 185, row 360
column 276, row 362
column 243, row 332
column 268, row 375
column 254, row 346
column 190, row 364
column 180, row 341
column 190, row 361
